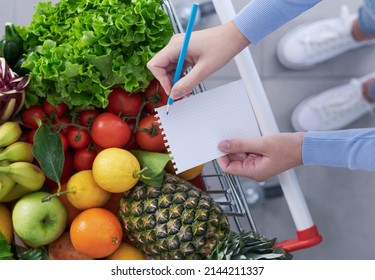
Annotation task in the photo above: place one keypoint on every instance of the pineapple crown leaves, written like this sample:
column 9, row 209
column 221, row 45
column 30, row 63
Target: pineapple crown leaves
column 247, row 246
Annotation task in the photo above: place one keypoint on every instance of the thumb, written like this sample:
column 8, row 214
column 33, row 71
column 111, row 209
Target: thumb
column 249, row 145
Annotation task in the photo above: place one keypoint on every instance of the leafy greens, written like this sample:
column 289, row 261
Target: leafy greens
column 78, row 50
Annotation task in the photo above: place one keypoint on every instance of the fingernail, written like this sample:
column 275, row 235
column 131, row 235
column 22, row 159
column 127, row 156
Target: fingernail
column 224, row 146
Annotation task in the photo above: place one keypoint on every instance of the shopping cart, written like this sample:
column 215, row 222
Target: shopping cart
column 227, row 189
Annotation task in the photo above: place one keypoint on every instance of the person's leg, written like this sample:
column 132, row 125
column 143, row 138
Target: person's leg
column 365, row 25
column 340, row 106
column 317, row 42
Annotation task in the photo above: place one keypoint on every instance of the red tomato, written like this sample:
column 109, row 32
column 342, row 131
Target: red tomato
column 149, row 136
column 78, row 138
column 30, row 115
column 123, row 103
column 59, row 109
column 199, row 182
column 109, row 130
column 86, row 117
column 83, row 159
column 155, row 96
column 30, row 136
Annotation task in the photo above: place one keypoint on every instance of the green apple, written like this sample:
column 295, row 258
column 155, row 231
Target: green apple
column 39, row 223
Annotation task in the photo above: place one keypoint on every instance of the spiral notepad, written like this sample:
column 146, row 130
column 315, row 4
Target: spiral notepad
column 195, row 125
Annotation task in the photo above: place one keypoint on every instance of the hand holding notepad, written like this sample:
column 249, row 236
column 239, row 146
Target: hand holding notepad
column 199, row 122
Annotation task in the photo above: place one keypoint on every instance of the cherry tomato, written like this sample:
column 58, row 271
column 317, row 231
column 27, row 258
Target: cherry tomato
column 86, row 117
column 123, row 103
column 78, row 138
column 109, row 130
column 59, row 109
column 149, row 136
column 83, row 159
column 30, row 136
column 155, row 96
column 30, row 115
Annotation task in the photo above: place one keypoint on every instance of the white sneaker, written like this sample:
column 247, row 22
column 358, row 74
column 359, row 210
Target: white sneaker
column 310, row 44
column 333, row 109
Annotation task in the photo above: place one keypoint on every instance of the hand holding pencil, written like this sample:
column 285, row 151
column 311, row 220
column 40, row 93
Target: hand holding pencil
column 208, row 50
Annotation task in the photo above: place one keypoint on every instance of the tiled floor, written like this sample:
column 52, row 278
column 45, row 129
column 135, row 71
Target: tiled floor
column 340, row 201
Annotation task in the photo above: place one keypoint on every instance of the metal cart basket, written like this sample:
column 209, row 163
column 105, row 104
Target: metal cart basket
column 227, row 189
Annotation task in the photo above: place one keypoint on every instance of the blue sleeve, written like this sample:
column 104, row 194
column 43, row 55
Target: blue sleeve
column 352, row 148
column 261, row 17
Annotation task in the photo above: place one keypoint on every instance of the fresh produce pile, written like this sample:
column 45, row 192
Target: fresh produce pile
column 84, row 171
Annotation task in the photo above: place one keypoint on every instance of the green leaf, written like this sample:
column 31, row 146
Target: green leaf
column 5, row 248
column 39, row 253
column 154, row 164
column 48, row 151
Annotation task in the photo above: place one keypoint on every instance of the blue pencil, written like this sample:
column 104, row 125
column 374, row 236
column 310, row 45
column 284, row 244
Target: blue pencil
column 181, row 58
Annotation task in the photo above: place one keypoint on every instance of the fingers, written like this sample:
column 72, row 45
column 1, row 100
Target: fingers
column 252, row 145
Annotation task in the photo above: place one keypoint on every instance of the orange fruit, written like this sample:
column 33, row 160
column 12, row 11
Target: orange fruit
column 84, row 192
column 96, row 232
column 6, row 225
column 127, row 251
column 187, row 174
column 116, row 170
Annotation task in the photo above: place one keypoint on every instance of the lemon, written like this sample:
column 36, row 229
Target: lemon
column 116, row 170
column 83, row 192
column 126, row 252
column 6, row 225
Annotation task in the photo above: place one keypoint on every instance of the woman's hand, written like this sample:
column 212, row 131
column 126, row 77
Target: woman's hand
column 262, row 157
column 208, row 50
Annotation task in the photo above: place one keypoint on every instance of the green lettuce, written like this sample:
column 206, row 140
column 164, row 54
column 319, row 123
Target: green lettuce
column 77, row 50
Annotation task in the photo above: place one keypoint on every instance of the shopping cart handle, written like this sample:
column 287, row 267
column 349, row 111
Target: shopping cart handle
column 305, row 238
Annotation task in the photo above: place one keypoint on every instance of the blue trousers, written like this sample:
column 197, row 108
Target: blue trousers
column 366, row 22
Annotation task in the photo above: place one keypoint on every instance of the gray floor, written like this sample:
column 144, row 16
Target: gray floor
column 340, row 201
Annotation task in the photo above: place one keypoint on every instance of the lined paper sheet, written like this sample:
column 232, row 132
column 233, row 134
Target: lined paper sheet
column 195, row 125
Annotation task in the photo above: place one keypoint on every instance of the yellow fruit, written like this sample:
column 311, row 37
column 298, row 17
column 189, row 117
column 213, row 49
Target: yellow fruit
column 83, row 192
column 127, row 252
column 6, row 226
column 187, row 174
column 116, row 170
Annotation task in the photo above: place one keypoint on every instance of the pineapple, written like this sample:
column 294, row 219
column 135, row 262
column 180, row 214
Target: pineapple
column 179, row 221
